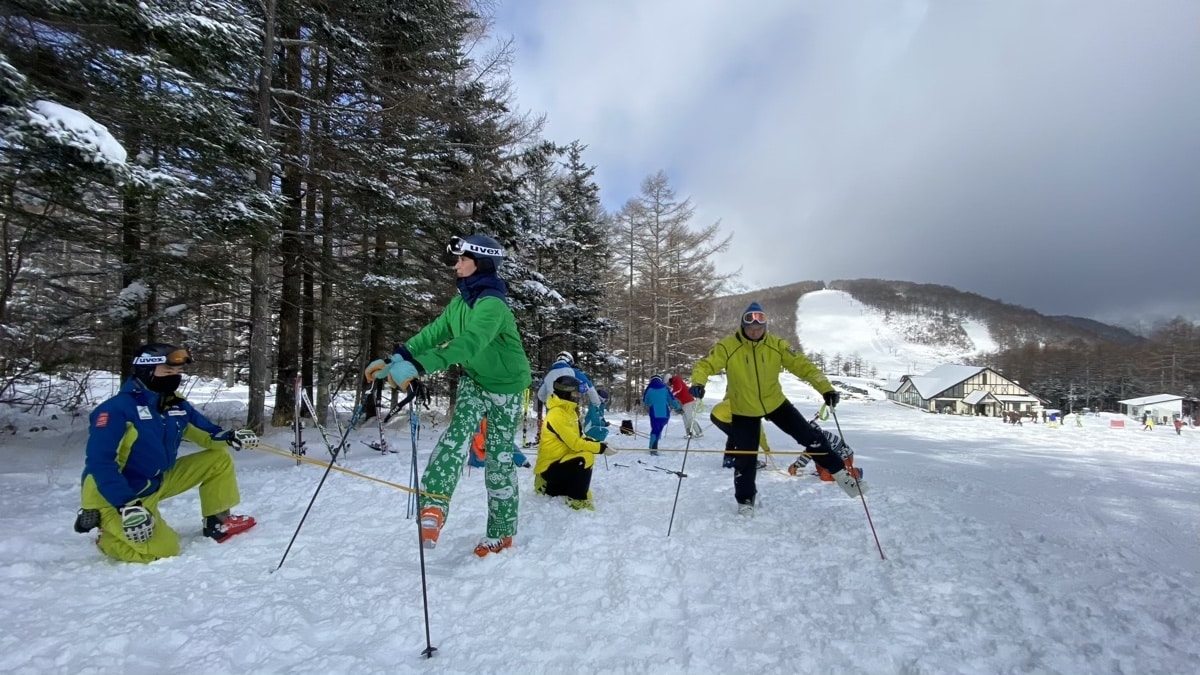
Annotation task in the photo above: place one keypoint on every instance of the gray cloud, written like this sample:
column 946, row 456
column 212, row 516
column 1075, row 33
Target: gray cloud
column 1043, row 152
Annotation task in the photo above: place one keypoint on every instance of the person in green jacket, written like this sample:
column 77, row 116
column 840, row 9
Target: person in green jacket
column 753, row 360
column 477, row 330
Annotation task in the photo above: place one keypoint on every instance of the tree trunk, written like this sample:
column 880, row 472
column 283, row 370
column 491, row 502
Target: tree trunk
column 308, row 334
column 325, row 357
column 131, row 245
column 325, row 327
column 260, row 263
column 291, row 247
column 308, row 243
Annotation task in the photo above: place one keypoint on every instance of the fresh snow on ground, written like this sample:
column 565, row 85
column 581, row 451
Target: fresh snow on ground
column 1009, row 549
column 833, row 322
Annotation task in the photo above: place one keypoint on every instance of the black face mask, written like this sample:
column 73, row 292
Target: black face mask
column 167, row 384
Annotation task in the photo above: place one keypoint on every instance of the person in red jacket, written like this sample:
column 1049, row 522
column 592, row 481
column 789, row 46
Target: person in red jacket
column 679, row 388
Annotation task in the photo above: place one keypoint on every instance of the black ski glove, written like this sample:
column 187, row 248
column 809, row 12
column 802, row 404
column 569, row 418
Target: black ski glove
column 832, row 398
column 420, row 392
column 696, row 390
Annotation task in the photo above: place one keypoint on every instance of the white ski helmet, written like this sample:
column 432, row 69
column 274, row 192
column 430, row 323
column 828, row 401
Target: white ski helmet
column 566, row 357
column 487, row 253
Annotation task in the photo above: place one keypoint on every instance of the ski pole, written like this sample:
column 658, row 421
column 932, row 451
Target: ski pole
column 332, row 459
column 681, row 475
column 415, row 497
column 860, row 494
column 413, row 425
column 298, row 441
column 378, row 393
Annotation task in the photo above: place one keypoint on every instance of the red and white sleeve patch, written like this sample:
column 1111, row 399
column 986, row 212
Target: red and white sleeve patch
column 102, row 420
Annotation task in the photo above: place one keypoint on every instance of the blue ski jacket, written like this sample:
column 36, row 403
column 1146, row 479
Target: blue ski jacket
column 134, row 438
column 658, row 398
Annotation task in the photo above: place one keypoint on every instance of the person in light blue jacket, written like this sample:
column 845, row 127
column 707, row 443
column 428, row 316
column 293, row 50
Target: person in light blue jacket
column 660, row 402
column 595, row 426
column 564, row 365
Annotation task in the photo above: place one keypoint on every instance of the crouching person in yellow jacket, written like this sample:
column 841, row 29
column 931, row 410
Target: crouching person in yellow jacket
column 722, row 418
column 565, row 457
column 133, row 463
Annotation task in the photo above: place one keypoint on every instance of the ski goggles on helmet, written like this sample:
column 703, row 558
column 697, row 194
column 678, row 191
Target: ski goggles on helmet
column 460, row 246
column 759, row 318
column 179, row 357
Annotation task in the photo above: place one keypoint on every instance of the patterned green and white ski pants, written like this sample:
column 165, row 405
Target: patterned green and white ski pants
column 503, row 413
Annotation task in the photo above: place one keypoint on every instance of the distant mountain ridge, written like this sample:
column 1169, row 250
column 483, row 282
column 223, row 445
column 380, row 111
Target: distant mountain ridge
column 935, row 321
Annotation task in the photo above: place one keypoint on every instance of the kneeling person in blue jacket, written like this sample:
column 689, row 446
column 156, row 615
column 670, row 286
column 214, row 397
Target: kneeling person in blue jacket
column 132, row 462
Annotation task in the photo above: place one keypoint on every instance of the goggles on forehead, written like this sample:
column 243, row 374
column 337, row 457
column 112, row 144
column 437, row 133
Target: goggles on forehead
column 179, row 357
column 460, row 246
column 755, row 317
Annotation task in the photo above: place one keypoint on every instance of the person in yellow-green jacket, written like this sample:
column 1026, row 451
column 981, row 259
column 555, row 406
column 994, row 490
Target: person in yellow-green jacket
column 565, row 455
column 132, row 462
column 478, row 331
column 753, row 360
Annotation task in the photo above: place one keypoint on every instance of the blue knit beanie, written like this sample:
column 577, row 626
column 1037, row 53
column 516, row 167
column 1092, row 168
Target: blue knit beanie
column 753, row 307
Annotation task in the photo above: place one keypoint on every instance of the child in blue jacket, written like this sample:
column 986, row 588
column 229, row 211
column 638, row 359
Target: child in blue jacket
column 658, row 400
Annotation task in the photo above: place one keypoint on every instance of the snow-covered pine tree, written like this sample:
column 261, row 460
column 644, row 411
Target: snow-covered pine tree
column 537, row 246
column 159, row 78
column 583, row 267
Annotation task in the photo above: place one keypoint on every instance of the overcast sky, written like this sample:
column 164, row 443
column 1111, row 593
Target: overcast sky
column 1041, row 152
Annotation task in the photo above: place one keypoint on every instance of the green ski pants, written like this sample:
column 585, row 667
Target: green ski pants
column 503, row 413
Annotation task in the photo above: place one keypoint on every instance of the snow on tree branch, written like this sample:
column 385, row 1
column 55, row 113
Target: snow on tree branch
column 73, row 128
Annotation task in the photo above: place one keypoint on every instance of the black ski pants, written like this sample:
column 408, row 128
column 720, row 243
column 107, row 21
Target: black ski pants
column 726, row 428
column 743, row 435
column 570, row 479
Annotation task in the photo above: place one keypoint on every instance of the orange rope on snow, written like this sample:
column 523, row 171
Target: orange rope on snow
column 316, row 462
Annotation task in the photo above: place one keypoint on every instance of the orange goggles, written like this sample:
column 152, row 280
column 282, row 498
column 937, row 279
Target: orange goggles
column 755, row 317
column 179, row 357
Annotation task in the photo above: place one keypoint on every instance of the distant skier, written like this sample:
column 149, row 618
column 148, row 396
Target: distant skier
column 679, row 389
column 659, row 401
column 564, row 364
